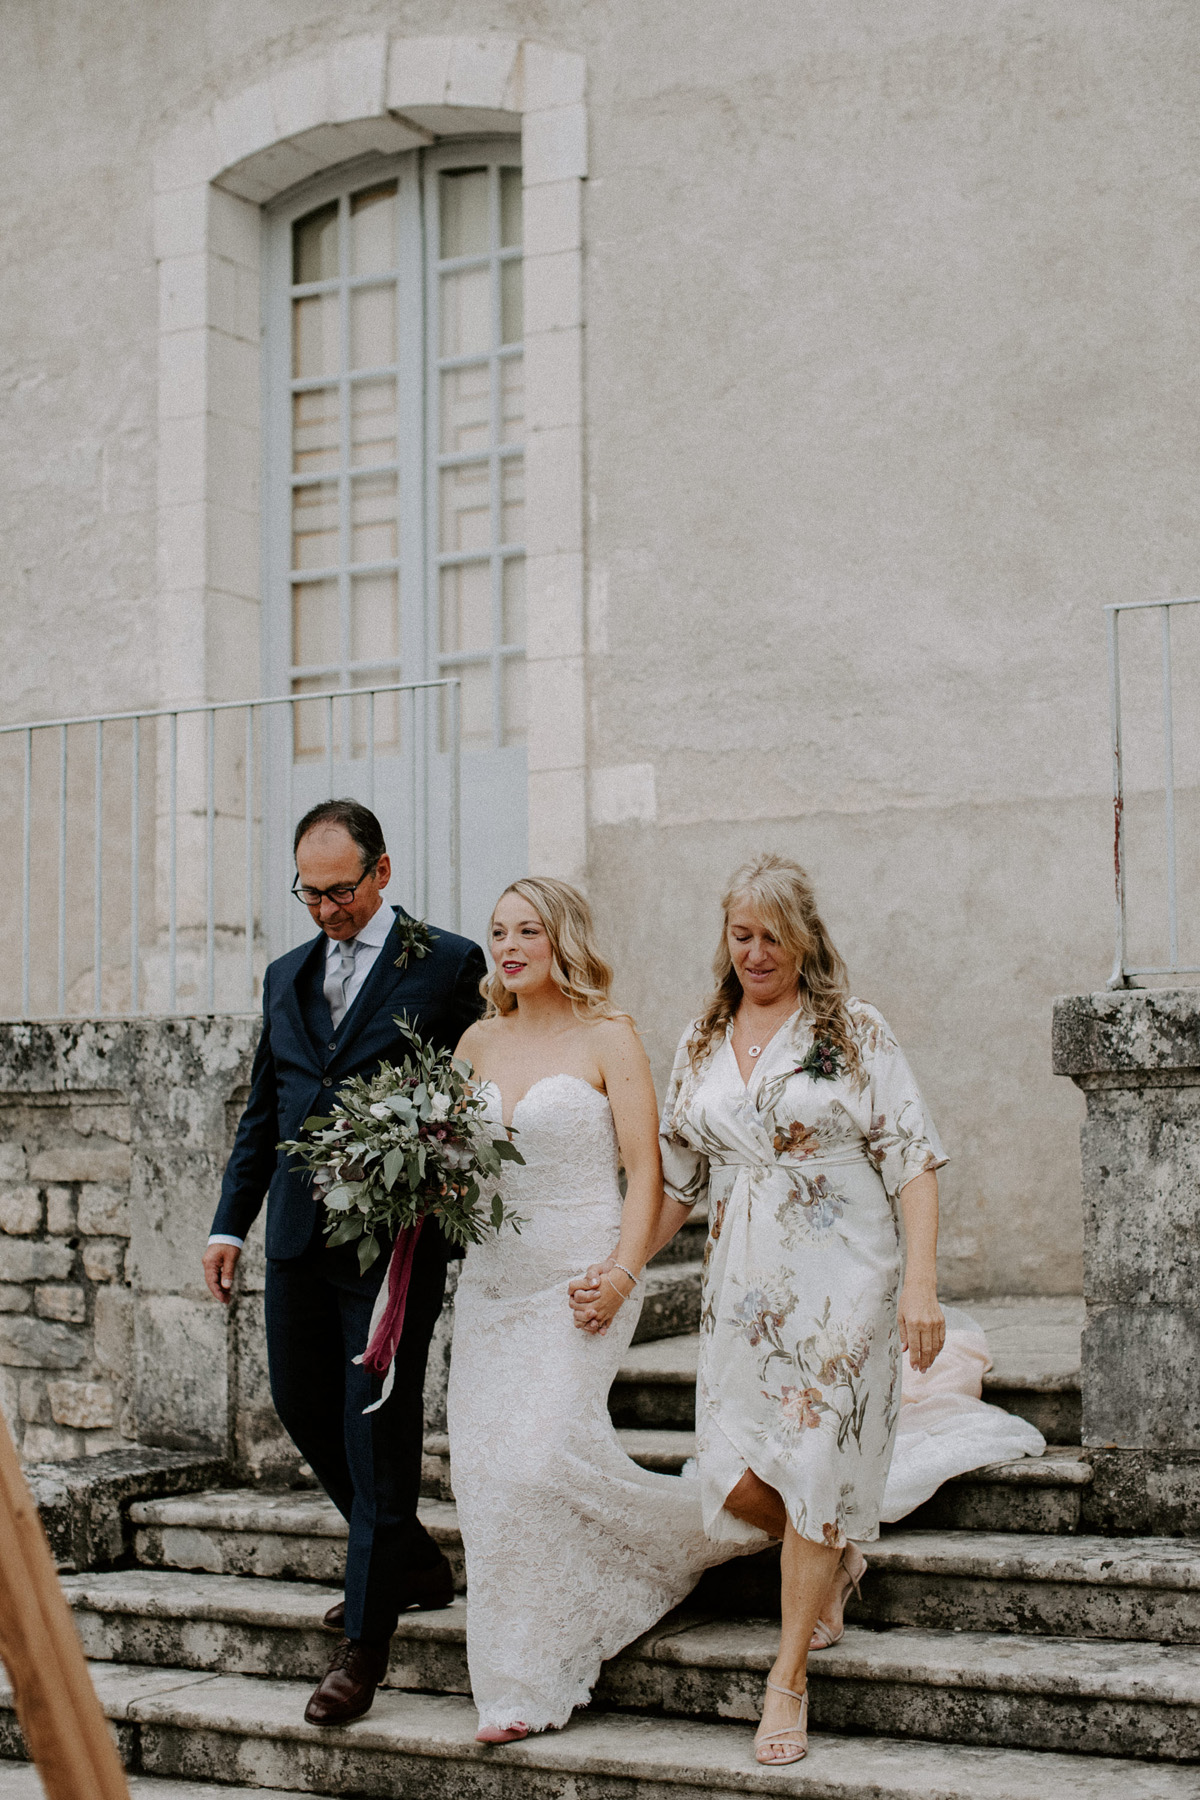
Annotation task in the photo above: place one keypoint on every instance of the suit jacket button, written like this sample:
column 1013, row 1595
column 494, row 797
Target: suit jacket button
column 333, row 1043
column 326, row 1081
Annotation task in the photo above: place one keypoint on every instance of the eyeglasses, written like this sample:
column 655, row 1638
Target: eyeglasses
column 341, row 895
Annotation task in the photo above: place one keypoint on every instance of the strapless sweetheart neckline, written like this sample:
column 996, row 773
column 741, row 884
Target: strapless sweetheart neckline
column 532, row 1088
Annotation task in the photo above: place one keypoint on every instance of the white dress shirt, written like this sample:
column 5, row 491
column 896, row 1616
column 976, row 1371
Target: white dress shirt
column 368, row 944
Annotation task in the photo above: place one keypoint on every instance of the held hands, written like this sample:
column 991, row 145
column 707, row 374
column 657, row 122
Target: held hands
column 597, row 1297
column 220, row 1261
column 922, row 1325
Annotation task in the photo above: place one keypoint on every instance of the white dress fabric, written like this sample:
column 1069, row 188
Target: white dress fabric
column 946, row 1428
column 799, row 1371
column 572, row 1550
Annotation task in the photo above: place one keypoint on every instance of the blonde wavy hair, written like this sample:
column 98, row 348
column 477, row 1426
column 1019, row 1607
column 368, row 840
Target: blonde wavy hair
column 577, row 966
column 782, row 896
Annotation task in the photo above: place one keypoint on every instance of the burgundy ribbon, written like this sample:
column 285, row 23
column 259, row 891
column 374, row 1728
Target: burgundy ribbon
column 380, row 1352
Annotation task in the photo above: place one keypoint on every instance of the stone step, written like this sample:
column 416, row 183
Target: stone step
column 1077, row 1587
column 1043, row 1493
column 962, row 1687
column 20, row 1781
column 671, row 1304
column 414, row 1746
column 656, row 1383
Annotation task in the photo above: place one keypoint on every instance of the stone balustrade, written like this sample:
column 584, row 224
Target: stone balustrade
column 1136, row 1056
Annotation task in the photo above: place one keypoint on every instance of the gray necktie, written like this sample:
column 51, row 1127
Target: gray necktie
column 338, row 975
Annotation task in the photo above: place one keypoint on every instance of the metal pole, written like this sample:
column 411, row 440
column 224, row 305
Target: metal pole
column 210, row 867
column 98, row 879
column 173, row 899
column 62, row 871
column 26, row 858
column 329, row 749
column 135, row 847
column 1117, row 978
column 371, row 746
column 455, row 806
column 418, row 901
column 249, row 858
column 1169, row 788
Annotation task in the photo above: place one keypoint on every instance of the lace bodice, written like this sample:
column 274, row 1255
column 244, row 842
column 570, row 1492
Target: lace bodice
column 565, row 1192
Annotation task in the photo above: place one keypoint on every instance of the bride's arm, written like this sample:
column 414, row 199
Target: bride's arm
column 630, row 1089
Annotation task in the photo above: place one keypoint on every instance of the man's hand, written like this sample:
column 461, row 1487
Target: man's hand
column 220, row 1260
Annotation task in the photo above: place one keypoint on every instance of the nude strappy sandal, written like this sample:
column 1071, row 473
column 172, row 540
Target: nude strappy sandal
column 849, row 1574
column 795, row 1734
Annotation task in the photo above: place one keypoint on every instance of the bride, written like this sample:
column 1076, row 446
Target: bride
column 572, row 1550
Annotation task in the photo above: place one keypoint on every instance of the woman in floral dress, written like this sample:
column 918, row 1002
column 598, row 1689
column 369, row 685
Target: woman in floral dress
column 793, row 1105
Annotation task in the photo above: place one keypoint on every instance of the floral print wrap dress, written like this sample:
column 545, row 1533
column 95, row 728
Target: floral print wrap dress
column 799, row 1373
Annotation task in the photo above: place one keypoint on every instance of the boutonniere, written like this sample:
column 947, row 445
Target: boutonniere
column 823, row 1062
column 416, row 940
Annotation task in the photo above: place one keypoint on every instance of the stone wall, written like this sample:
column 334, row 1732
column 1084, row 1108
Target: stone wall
column 113, row 1138
column 66, row 1308
column 113, row 1135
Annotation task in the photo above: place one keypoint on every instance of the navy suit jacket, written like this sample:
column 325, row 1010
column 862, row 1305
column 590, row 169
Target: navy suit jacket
column 300, row 1061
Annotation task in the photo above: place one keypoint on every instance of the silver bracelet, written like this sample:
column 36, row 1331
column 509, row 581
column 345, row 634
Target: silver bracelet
column 612, row 1284
column 634, row 1278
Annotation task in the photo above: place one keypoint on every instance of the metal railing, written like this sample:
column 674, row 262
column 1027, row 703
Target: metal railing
column 184, row 816
column 1123, row 969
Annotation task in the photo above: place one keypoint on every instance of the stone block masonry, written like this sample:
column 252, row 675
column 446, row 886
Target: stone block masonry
column 64, row 1196
column 113, row 1136
column 1136, row 1056
column 113, row 1139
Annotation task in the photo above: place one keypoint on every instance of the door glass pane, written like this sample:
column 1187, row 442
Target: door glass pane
column 466, row 408
column 387, row 710
column 315, row 245
column 512, row 500
column 464, row 209
column 374, row 620
column 373, row 230
column 512, row 399
column 467, row 313
column 512, row 700
column 512, row 314
column 310, row 723
column 465, row 507
column 372, row 327
column 510, row 209
column 373, row 422
column 315, row 538
column 315, row 336
column 476, row 705
column 466, row 607
column 373, row 534
column 316, row 634
column 316, row 427
column 512, row 596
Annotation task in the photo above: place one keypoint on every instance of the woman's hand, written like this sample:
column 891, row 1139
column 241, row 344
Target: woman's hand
column 922, row 1324
column 596, row 1297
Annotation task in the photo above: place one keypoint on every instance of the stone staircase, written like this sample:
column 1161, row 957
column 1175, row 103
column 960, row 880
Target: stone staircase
column 1002, row 1650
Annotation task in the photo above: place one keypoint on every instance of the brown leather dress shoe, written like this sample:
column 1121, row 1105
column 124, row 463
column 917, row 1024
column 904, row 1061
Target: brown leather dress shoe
column 335, row 1618
column 348, row 1689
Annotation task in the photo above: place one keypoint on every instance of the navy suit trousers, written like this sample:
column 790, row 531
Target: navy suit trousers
column 318, row 1308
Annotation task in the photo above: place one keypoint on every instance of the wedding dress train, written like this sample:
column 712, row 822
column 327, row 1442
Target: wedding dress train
column 572, row 1550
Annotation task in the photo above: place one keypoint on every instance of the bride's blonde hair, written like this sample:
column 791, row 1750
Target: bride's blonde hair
column 576, row 964
column 782, row 896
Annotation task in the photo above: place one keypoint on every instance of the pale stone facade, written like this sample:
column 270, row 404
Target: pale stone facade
column 859, row 350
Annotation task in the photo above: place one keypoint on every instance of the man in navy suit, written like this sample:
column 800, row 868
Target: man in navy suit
column 329, row 1011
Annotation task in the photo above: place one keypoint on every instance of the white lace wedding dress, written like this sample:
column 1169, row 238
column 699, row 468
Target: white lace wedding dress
column 572, row 1550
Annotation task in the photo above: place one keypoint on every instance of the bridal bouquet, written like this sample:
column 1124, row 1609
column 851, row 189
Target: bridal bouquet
column 405, row 1144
